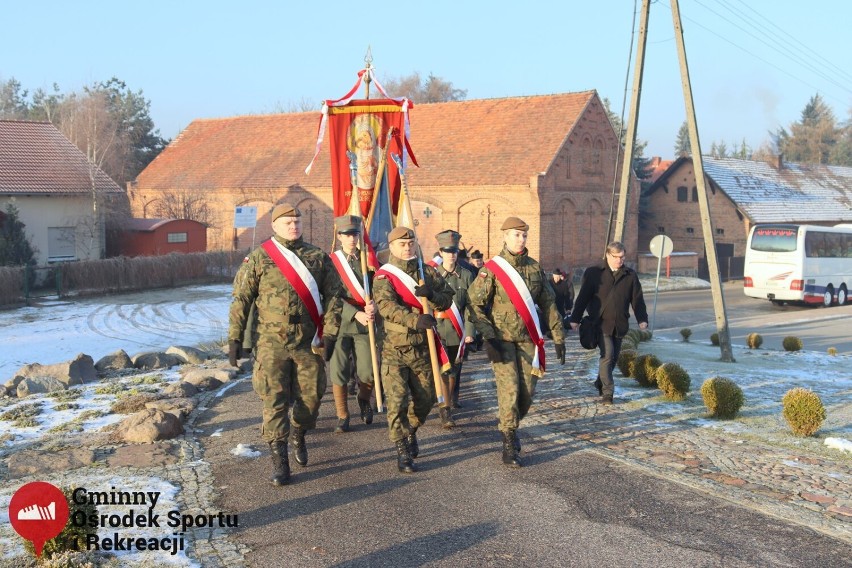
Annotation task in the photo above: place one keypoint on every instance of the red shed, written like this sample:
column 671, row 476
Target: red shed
column 153, row 237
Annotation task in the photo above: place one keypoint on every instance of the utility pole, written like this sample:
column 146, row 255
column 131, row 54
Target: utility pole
column 632, row 121
column 698, row 167
column 700, row 181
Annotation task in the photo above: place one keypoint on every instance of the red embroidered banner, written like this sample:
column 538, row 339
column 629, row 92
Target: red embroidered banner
column 361, row 127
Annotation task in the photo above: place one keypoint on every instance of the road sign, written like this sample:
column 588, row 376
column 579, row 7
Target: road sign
column 661, row 246
column 245, row 217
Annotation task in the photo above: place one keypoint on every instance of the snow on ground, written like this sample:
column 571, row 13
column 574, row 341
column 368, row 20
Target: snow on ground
column 765, row 376
column 188, row 316
column 136, row 322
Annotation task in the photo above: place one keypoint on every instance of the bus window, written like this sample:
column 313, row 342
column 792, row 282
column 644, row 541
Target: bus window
column 815, row 244
column 832, row 245
column 774, row 239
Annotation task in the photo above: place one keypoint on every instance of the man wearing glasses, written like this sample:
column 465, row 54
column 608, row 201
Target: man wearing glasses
column 606, row 293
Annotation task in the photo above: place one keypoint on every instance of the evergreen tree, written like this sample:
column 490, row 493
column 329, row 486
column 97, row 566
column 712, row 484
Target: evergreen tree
column 841, row 154
column 641, row 164
column 15, row 249
column 813, row 138
column 682, row 145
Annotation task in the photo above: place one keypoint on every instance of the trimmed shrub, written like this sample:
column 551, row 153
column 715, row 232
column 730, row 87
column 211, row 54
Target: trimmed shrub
column 714, row 338
column 722, row 397
column 628, row 343
column 645, row 334
column 685, row 333
column 792, row 343
column 673, row 380
column 803, row 411
column 832, row 351
column 625, row 358
column 72, row 538
column 644, row 368
column 635, row 335
column 754, row 340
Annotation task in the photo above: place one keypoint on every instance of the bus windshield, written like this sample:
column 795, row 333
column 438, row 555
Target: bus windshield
column 774, row 239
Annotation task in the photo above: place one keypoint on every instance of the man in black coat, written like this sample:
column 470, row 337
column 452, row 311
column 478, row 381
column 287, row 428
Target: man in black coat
column 606, row 292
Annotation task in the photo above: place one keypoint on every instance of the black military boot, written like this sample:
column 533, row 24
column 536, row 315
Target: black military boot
column 403, row 457
column 510, row 455
column 599, row 386
column 342, row 425
column 517, row 442
column 413, row 446
column 300, row 451
column 280, row 462
column 446, row 417
column 364, row 391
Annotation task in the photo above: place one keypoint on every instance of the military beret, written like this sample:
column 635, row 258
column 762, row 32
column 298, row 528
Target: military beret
column 514, row 223
column 448, row 240
column 400, row 233
column 348, row 224
column 476, row 254
column 285, row 210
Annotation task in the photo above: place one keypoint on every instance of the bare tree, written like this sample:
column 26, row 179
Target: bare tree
column 184, row 204
column 433, row 90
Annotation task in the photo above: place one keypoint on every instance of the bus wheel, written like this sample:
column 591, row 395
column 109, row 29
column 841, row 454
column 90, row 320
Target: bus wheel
column 828, row 297
column 842, row 296
column 777, row 302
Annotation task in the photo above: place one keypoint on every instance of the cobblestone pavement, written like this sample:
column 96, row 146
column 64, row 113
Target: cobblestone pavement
column 794, row 485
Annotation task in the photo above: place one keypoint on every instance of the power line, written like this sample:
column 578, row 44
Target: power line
column 794, row 39
column 790, row 54
column 804, row 59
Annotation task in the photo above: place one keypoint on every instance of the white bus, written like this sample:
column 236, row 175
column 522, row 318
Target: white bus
column 799, row 263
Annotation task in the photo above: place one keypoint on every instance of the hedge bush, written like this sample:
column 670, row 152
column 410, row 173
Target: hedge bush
column 625, row 358
column 645, row 335
column 754, row 340
column 714, row 338
column 644, row 368
column 803, row 411
column 673, row 380
column 722, row 397
column 832, row 351
column 792, row 343
column 686, row 333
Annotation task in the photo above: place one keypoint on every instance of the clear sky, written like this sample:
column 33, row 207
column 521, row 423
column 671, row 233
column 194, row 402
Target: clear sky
column 754, row 63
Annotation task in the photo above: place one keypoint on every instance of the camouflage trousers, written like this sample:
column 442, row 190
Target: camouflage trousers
column 338, row 367
column 515, row 384
column 409, row 389
column 282, row 375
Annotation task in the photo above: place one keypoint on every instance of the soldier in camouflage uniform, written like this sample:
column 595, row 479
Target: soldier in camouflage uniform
column 353, row 339
column 286, row 368
column 459, row 280
column 507, row 342
column 406, row 370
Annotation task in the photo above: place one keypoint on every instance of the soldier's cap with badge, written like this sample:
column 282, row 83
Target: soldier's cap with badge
column 514, row 223
column 476, row 254
column 400, row 233
column 285, row 210
column 448, row 241
column 348, row 224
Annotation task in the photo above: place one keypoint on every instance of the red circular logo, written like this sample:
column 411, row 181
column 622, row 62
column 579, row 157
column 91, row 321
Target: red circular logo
column 38, row 512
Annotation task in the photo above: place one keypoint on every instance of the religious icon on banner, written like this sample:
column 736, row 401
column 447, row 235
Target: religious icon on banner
column 363, row 139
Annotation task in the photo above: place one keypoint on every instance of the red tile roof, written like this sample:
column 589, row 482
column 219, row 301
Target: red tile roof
column 36, row 158
column 477, row 142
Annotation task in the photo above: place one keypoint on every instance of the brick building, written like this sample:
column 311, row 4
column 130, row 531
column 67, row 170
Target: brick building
column 549, row 159
column 742, row 193
column 154, row 237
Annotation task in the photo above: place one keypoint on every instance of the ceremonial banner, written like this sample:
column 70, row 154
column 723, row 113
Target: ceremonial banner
column 367, row 128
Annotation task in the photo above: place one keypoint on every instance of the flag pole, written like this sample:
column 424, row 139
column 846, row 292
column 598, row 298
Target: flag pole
column 430, row 333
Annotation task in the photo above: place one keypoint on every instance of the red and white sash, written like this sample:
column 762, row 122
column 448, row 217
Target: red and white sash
column 404, row 285
column 521, row 298
column 454, row 315
column 302, row 281
column 350, row 280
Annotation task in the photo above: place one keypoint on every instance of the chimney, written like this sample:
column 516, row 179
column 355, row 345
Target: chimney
column 779, row 162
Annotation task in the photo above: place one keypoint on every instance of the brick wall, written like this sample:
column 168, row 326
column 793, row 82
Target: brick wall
column 676, row 218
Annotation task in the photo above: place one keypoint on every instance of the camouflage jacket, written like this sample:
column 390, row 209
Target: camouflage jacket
column 348, row 324
column 280, row 311
column 398, row 318
column 493, row 311
column 459, row 280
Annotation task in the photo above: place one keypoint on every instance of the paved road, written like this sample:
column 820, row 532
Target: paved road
column 584, row 499
column 819, row 328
